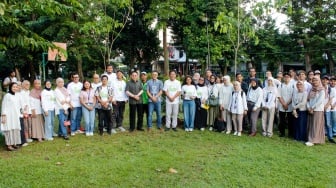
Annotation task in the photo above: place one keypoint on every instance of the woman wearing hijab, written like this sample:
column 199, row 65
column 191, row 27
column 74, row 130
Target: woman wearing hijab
column 10, row 118
column 36, row 108
column 254, row 99
column 270, row 94
column 213, row 109
column 201, row 112
column 48, row 106
column 225, row 95
column 315, row 108
column 299, row 103
column 62, row 106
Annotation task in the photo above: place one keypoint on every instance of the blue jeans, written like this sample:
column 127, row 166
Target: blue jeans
column 62, row 130
column 333, row 122
column 189, row 109
column 49, row 124
column 89, row 118
column 76, row 116
column 328, row 125
column 154, row 106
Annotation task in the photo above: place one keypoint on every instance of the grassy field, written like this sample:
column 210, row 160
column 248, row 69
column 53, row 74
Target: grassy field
column 143, row 159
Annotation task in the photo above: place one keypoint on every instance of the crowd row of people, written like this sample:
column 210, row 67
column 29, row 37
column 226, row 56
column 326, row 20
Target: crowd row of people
column 306, row 107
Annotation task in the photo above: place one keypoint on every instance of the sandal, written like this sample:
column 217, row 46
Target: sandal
column 10, row 148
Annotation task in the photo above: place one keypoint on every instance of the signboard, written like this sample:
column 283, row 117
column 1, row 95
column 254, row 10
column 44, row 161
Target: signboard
column 55, row 54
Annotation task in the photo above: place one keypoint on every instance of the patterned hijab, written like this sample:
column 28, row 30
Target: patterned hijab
column 317, row 87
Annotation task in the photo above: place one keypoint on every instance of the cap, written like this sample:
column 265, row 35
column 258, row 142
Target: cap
column 143, row 73
column 317, row 72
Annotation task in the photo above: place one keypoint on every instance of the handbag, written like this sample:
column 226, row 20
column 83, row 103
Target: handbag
column 212, row 100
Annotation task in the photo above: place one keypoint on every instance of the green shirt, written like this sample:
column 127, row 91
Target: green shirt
column 144, row 95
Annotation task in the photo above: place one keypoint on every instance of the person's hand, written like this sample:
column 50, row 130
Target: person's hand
column 245, row 112
column 254, row 109
column 46, row 113
column 3, row 119
column 33, row 114
column 154, row 99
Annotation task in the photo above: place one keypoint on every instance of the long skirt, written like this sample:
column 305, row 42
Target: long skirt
column 38, row 127
column 316, row 132
column 12, row 137
column 300, row 125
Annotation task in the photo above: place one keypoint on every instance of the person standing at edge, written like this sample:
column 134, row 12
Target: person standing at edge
column 134, row 92
column 144, row 96
column 286, row 90
column 327, row 108
column 154, row 91
column 119, row 101
column 74, row 88
column 172, row 89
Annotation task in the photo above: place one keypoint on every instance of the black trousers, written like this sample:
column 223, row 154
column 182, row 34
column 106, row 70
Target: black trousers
column 135, row 109
column 105, row 119
column 200, row 116
column 119, row 110
column 145, row 112
column 22, row 132
column 286, row 121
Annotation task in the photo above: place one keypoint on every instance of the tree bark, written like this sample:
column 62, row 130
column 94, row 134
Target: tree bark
column 165, row 52
column 307, row 62
column 80, row 67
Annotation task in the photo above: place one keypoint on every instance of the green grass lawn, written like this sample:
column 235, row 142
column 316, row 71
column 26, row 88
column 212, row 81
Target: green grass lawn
column 143, row 159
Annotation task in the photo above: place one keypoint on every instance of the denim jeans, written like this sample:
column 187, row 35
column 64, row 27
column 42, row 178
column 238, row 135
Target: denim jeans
column 76, row 116
column 62, row 130
column 89, row 118
column 189, row 108
column 328, row 125
column 49, row 124
column 154, row 106
column 333, row 122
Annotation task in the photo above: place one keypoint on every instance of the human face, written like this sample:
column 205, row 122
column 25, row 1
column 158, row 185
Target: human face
column 332, row 83
column 119, row 75
column 239, row 78
column 87, row 85
column 325, row 82
column 225, row 81
column 60, row 83
column 212, row 79
column 143, row 77
column 188, row 80
column 172, row 76
column 12, row 74
column 104, row 81
column 310, row 75
column 48, row 84
column 75, row 78
column 252, row 72
column 235, row 86
column 287, row 78
column 201, row 80
column 315, row 82
column 299, row 86
column 109, row 69
column 134, row 76
column 37, row 84
column 154, row 75
column 26, row 85
column 302, row 76
column 15, row 88
column 208, row 73
column 270, row 82
column 95, row 78
column 253, row 83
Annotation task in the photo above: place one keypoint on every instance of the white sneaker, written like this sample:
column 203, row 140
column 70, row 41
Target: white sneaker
column 122, row 129
column 79, row 131
column 49, row 139
column 239, row 134
column 186, row 129
column 202, row 129
column 29, row 140
column 309, row 144
column 91, row 134
column 228, row 132
column 210, row 128
column 25, row 144
column 87, row 134
column 73, row 133
column 191, row 130
column 113, row 131
column 235, row 133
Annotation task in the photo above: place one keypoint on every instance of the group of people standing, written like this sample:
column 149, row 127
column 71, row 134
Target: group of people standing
column 306, row 107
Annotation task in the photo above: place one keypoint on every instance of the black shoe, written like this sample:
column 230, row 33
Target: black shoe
column 131, row 130
column 167, row 129
column 141, row 129
column 174, row 129
column 332, row 141
column 65, row 137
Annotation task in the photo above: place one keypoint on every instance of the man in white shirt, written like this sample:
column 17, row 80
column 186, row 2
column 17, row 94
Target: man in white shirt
column 11, row 78
column 119, row 100
column 110, row 74
column 302, row 77
column 286, row 90
column 74, row 88
column 276, row 82
column 172, row 89
column 329, row 95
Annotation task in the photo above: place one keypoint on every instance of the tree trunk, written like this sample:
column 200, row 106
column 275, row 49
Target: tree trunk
column 80, row 67
column 331, row 63
column 307, row 62
column 165, row 52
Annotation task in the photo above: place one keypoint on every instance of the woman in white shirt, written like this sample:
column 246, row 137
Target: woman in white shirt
column 189, row 94
column 225, row 95
column 254, row 99
column 88, row 101
column 237, row 108
column 48, row 106
column 270, row 94
column 299, row 103
column 201, row 112
column 62, row 106
column 315, row 106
